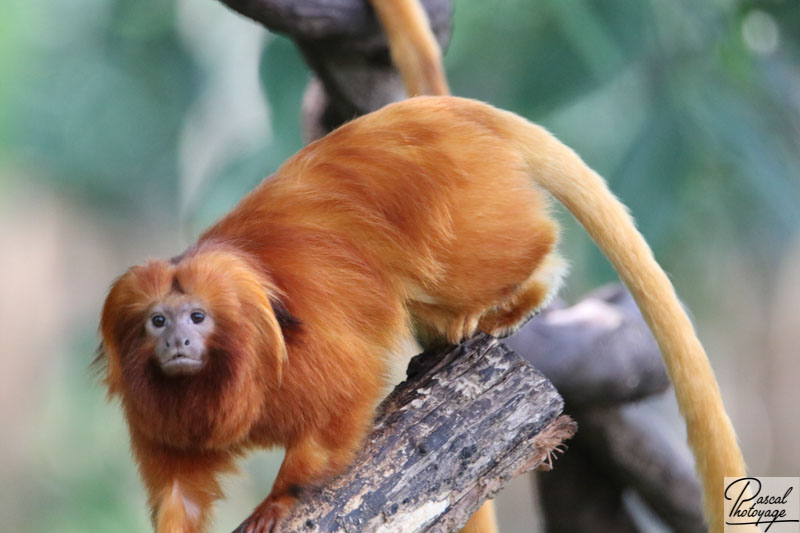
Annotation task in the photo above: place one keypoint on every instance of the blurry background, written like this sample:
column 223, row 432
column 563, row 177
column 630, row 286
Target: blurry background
column 126, row 127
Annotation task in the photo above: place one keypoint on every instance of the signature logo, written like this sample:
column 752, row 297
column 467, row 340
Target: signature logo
column 770, row 503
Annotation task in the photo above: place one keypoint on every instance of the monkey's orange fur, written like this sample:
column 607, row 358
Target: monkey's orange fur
column 421, row 218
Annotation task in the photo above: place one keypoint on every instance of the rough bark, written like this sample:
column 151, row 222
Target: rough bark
column 468, row 420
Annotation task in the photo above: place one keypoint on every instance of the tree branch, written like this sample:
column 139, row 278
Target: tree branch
column 602, row 358
column 596, row 352
column 343, row 43
column 467, row 421
column 334, row 19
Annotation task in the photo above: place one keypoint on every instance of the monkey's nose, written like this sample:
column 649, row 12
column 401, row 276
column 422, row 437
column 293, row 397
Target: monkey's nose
column 178, row 342
column 185, row 342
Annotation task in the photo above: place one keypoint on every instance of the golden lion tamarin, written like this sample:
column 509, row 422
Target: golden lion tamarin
column 281, row 324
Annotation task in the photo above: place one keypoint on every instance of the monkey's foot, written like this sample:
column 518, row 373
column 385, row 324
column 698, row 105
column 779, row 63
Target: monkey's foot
column 462, row 327
column 266, row 517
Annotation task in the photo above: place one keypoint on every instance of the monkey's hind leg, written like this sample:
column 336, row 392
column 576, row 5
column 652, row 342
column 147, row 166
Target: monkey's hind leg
column 436, row 324
column 535, row 293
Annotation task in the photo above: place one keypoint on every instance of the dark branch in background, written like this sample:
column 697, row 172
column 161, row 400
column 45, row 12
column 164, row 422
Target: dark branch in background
column 597, row 352
column 468, row 420
column 343, row 43
column 602, row 358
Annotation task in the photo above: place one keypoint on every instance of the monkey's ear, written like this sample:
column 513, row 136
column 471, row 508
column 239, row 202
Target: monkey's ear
column 290, row 324
column 275, row 339
column 257, row 294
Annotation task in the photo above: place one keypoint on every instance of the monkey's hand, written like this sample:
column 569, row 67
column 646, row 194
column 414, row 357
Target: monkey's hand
column 267, row 515
column 307, row 462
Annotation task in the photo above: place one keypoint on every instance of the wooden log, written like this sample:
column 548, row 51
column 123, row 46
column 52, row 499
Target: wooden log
column 468, row 419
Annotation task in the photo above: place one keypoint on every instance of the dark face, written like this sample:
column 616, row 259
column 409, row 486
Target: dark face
column 180, row 328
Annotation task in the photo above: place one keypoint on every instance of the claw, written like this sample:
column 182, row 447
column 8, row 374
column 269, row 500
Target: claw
column 264, row 519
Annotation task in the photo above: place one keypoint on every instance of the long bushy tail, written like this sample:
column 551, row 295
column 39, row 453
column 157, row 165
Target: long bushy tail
column 559, row 170
column 413, row 47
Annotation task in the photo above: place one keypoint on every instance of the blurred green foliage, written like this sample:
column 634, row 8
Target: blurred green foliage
column 99, row 95
column 690, row 109
column 283, row 94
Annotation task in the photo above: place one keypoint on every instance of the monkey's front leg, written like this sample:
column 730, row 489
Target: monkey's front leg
column 182, row 485
column 307, row 462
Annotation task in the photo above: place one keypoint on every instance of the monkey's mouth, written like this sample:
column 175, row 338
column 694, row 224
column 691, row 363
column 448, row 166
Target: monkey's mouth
column 182, row 365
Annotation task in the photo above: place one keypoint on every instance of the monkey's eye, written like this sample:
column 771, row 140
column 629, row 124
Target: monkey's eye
column 158, row 321
column 197, row 316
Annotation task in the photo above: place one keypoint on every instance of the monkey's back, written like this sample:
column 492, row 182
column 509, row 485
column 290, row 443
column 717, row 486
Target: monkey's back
column 423, row 194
